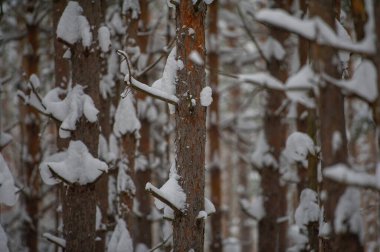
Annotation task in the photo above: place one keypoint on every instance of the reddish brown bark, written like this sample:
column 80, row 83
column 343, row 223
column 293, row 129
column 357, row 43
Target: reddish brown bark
column 188, row 231
column 331, row 121
column 30, row 123
column 213, row 133
column 79, row 201
column 272, row 232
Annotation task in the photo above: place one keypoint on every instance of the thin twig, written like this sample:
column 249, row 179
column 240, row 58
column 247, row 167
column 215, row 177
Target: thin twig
column 161, row 243
column 251, row 36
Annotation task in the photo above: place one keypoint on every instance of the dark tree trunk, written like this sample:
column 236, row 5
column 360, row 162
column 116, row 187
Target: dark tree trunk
column 190, row 127
column 30, row 123
column 79, row 201
column 331, row 121
column 213, row 133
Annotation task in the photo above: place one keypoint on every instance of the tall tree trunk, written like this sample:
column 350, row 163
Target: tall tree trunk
column 30, row 121
column 331, row 122
column 190, row 127
column 213, row 132
column 62, row 78
column 272, row 231
column 79, row 201
column 143, row 174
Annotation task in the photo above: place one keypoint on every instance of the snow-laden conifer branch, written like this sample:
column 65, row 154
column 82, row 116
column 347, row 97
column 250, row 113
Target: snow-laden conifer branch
column 157, row 193
column 56, row 240
column 316, row 30
column 151, row 91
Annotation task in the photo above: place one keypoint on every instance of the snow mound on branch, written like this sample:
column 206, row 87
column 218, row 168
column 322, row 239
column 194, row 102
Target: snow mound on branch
column 76, row 165
column 262, row 157
column 172, row 192
column 73, row 26
column 121, row 239
column 8, row 190
column 308, row 209
column 262, row 79
column 3, row 240
column 70, row 109
column 167, row 83
column 298, row 146
column 104, row 37
column 255, row 209
column 5, row 139
column 347, row 214
column 363, row 83
column 206, row 96
column 126, row 120
column 298, row 86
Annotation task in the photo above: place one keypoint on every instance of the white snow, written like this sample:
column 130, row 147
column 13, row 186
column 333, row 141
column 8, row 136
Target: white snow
column 196, row 58
column 3, row 240
column 262, row 157
column 104, row 38
column 133, row 6
column 363, row 82
column 55, row 239
column 171, row 191
column 298, row 86
column 35, row 81
column 121, row 240
column 70, row 109
column 206, row 96
column 5, row 139
column 337, row 141
column 262, row 79
column 297, row 239
column 167, row 83
column 316, row 29
column 209, row 206
column 308, row 209
column 124, row 181
column 73, row 26
column 298, row 146
column 273, row 48
column 348, row 213
column 255, row 208
column 8, row 190
column 75, row 165
column 126, row 120
column 342, row 173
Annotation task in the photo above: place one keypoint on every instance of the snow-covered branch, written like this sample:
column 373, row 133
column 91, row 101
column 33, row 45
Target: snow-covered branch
column 160, row 195
column 315, row 29
column 56, row 240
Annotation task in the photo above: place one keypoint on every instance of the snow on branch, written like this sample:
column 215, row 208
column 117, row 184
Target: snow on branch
column 170, row 197
column 75, row 165
column 209, row 209
column 316, row 29
column 73, row 26
column 343, row 174
column 363, row 83
column 8, row 190
column 56, row 240
column 262, row 79
column 164, row 88
column 254, row 210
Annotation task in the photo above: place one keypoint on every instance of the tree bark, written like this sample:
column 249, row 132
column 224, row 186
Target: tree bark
column 79, row 201
column 30, row 123
column 213, row 132
column 190, row 127
column 331, row 122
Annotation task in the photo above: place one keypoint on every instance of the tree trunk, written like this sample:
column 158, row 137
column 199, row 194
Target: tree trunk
column 331, row 122
column 273, row 230
column 79, row 201
column 213, row 132
column 30, row 123
column 190, row 127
